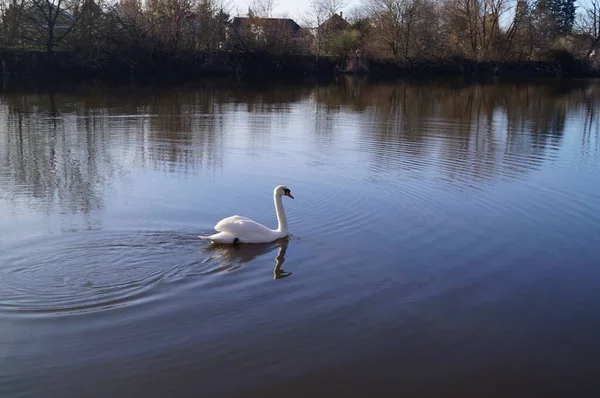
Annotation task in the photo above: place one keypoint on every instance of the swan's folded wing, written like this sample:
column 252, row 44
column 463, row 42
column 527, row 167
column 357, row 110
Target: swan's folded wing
column 242, row 227
column 222, row 225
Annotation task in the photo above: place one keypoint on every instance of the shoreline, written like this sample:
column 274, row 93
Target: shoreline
column 33, row 65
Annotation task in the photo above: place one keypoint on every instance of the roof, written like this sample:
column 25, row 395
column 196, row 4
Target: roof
column 240, row 21
column 335, row 22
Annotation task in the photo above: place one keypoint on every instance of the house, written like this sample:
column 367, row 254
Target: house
column 37, row 19
column 256, row 31
column 334, row 24
column 326, row 32
column 35, row 26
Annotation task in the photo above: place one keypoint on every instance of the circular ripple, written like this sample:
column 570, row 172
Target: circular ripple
column 87, row 272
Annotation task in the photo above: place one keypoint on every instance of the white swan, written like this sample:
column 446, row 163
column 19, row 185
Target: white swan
column 240, row 229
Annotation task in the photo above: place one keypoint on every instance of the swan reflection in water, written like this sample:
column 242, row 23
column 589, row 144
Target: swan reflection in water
column 233, row 257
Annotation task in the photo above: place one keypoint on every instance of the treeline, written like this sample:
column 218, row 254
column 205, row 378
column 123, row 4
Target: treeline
column 477, row 30
column 97, row 27
column 97, row 33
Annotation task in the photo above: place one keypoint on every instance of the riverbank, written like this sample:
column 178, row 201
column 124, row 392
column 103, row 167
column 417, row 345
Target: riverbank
column 34, row 65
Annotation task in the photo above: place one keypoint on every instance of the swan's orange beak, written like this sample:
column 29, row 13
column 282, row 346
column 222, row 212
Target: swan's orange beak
column 289, row 194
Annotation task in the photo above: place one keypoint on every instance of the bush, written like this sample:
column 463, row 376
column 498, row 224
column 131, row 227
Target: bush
column 348, row 41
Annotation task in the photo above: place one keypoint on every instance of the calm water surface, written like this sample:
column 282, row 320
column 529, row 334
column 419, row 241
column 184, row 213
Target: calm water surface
column 445, row 241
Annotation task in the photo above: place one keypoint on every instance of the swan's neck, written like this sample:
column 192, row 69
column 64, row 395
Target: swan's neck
column 281, row 219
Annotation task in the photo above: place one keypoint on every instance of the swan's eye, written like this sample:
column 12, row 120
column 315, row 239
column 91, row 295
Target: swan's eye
column 287, row 192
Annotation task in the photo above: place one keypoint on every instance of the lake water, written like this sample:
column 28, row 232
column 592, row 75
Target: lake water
column 445, row 240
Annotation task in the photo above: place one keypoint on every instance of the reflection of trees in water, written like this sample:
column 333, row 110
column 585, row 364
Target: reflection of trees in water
column 590, row 144
column 66, row 147
column 267, row 109
column 324, row 127
column 325, row 119
column 183, row 131
column 46, row 158
column 471, row 132
column 398, row 116
column 535, row 123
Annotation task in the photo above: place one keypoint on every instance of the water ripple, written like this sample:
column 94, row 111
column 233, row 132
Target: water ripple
column 60, row 275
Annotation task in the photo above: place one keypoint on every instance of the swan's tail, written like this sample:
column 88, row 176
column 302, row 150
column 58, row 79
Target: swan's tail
column 221, row 237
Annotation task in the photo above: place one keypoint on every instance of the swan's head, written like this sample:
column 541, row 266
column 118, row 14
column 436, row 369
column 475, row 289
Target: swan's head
column 282, row 190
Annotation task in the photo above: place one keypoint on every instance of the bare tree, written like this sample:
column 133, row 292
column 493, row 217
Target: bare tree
column 262, row 8
column 50, row 21
column 91, row 32
column 210, row 24
column 589, row 23
column 397, row 23
column 357, row 13
column 474, row 25
column 319, row 12
column 131, row 28
column 12, row 21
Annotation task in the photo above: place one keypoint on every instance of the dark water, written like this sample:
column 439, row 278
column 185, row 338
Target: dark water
column 445, row 241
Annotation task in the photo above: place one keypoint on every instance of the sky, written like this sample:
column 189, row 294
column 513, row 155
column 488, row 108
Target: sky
column 298, row 9
column 295, row 9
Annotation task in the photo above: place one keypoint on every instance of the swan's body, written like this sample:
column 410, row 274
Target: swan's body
column 241, row 229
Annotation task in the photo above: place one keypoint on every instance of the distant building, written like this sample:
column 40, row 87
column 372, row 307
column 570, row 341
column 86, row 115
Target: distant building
column 260, row 31
column 326, row 32
column 35, row 24
column 335, row 23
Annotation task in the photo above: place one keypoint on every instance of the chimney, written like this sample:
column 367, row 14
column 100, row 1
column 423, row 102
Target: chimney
column 341, row 14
